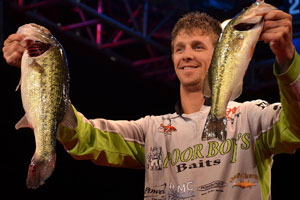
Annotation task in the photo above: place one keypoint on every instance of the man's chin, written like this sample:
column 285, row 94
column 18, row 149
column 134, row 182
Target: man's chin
column 192, row 85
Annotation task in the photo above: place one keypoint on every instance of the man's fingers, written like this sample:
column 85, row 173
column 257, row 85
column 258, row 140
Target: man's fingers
column 14, row 37
column 264, row 9
column 268, row 25
column 277, row 15
column 274, row 34
column 13, row 52
column 13, row 47
column 13, row 59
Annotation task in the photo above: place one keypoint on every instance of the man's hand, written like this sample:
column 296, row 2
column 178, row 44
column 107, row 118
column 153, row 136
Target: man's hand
column 277, row 31
column 13, row 49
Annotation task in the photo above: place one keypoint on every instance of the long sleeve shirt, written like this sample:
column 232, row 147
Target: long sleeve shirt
column 179, row 165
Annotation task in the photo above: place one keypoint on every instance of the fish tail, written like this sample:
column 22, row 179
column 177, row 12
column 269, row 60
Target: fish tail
column 39, row 170
column 214, row 128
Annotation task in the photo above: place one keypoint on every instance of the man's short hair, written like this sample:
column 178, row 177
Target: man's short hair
column 197, row 21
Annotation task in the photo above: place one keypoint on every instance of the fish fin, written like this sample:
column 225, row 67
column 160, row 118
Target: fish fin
column 39, row 170
column 18, row 86
column 214, row 128
column 206, row 87
column 23, row 123
column 237, row 91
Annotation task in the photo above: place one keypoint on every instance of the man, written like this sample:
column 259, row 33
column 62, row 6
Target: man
column 185, row 166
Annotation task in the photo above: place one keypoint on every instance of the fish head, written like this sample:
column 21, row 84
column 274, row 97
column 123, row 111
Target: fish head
column 235, row 49
column 38, row 39
column 36, row 32
column 250, row 17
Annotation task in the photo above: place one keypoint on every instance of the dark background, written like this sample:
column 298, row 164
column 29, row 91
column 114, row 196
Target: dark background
column 102, row 88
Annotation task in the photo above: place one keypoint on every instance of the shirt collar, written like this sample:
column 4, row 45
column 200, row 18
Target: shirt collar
column 178, row 106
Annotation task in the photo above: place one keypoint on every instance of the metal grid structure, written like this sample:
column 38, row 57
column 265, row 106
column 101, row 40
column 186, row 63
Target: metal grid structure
column 136, row 33
column 114, row 28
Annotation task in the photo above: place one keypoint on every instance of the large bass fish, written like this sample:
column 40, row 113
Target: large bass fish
column 230, row 61
column 44, row 90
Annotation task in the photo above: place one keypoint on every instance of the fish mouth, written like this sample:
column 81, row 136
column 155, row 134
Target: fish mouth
column 245, row 26
column 36, row 48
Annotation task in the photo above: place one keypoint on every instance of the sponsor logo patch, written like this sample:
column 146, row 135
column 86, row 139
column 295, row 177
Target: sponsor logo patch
column 244, row 180
column 154, row 159
column 156, row 192
column 166, row 127
column 214, row 184
column 181, row 192
column 244, row 184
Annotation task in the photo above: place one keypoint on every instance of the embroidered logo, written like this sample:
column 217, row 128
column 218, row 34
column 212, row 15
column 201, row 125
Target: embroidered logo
column 244, row 184
column 231, row 113
column 212, row 185
column 244, row 180
column 276, row 107
column 262, row 104
column 168, row 128
column 181, row 192
column 154, row 159
column 156, row 192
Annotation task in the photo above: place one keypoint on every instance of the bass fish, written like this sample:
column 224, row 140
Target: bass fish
column 231, row 57
column 45, row 96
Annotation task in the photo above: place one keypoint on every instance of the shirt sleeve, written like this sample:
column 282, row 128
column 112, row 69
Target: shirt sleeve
column 105, row 142
column 278, row 125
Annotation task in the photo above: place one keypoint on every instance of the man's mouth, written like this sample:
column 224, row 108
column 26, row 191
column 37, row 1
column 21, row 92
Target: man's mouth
column 187, row 67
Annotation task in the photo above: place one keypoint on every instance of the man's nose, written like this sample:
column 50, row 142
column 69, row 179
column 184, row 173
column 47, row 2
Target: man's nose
column 187, row 54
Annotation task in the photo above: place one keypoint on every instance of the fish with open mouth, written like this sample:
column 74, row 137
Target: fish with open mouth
column 45, row 96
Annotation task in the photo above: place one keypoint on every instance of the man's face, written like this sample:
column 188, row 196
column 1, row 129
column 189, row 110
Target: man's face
column 192, row 56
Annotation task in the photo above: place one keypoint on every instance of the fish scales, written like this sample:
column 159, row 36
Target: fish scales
column 45, row 97
column 224, row 68
column 42, row 89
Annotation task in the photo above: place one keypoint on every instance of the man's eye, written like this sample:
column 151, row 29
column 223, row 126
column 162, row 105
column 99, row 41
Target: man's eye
column 178, row 49
column 198, row 47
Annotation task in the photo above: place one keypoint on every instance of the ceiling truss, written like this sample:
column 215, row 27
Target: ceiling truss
column 134, row 33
